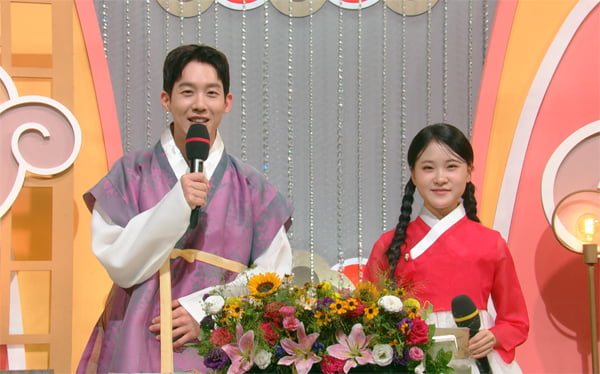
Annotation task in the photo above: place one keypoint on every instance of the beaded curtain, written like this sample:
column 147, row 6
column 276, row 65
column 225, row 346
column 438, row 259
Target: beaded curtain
column 325, row 104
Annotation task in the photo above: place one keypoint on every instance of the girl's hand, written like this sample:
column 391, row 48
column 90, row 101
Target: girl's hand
column 482, row 343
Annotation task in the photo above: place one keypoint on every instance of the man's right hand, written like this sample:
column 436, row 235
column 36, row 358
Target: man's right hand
column 195, row 189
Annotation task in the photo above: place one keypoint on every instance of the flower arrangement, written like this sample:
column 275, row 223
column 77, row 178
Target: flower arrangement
column 283, row 328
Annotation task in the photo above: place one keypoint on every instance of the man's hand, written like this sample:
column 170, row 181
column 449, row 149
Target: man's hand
column 482, row 343
column 195, row 189
column 185, row 327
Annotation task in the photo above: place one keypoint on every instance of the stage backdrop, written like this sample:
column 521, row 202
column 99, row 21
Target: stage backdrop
column 324, row 105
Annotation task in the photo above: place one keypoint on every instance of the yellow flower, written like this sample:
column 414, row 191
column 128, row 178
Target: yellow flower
column 351, row 303
column 265, row 284
column 367, row 291
column 232, row 300
column 322, row 318
column 325, row 286
column 412, row 303
column 371, row 311
column 412, row 306
column 233, row 310
column 405, row 328
column 339, row 307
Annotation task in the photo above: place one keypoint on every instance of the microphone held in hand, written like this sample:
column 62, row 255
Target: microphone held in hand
column 466, row 314
column 197, row 145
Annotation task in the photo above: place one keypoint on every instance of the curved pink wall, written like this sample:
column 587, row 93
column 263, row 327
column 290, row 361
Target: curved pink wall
column 553, row 279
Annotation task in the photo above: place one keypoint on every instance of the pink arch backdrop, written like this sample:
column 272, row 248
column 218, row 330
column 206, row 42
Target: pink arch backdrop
column 558, row 97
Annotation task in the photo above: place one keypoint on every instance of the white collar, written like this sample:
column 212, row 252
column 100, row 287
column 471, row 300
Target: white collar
column 177, row 161
column 431, row 220
column 438, row 227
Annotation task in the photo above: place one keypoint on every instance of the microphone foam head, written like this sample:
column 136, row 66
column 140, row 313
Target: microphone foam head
column 197, row 142
column 462, row 306
column 465, row 312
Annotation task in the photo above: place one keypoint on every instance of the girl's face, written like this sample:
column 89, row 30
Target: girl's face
column 441, row 177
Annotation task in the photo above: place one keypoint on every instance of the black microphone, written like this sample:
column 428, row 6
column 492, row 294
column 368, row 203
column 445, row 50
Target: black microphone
column 197, row 145
column 466, row 314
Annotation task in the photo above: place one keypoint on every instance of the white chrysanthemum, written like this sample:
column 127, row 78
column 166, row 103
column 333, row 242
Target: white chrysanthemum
column 214, row 304
column 383, row 354
column 390, row 303
column 420, row 369
column 262, row 359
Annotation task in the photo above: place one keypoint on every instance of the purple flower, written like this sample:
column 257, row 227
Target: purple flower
column 279, row 351
column 208, row 321
column 216, row 359
column 399, row 359
column 405, row 325
column 323, row 304
column 318, row 347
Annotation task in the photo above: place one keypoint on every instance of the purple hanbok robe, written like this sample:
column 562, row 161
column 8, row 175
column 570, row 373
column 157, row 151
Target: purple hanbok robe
column 242, row 216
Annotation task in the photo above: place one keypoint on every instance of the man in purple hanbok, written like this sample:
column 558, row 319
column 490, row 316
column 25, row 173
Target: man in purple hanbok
column 141, row 214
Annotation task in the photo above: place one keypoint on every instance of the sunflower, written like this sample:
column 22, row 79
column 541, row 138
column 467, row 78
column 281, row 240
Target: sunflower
column 371, row 311
column 264, row 284
column 339, row 307
column 351, row 303
column 322, row 318
column 233, row 310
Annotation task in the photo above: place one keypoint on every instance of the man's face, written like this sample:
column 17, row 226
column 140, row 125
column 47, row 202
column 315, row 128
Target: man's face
column 197, row 97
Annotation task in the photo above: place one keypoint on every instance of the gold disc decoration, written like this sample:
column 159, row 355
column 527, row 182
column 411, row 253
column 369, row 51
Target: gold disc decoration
column 185, row 8
column 297, row 8
column 410, row 7
column 322, row 272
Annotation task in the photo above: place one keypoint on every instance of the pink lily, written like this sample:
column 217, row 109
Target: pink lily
column 241, row 353
column 301, row 354
column 353, row 348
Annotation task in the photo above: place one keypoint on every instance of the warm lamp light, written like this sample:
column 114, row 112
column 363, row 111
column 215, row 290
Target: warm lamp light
column 576, row 220
column 588, row 227
column 576, row 225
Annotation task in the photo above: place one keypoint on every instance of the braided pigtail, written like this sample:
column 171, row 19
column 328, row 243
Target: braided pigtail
column 470, row 203
column 393, row 252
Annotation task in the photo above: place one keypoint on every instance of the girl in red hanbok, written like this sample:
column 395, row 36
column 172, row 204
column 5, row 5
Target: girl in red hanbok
column 446, row 252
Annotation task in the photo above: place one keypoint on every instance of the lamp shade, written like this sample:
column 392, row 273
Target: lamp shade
column 576, row 220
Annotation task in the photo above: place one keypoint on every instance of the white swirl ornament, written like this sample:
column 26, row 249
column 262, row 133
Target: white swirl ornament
column 24, row 119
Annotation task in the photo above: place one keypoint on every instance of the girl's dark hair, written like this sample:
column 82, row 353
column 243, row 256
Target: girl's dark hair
column 179, row 57
column 454, row 139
